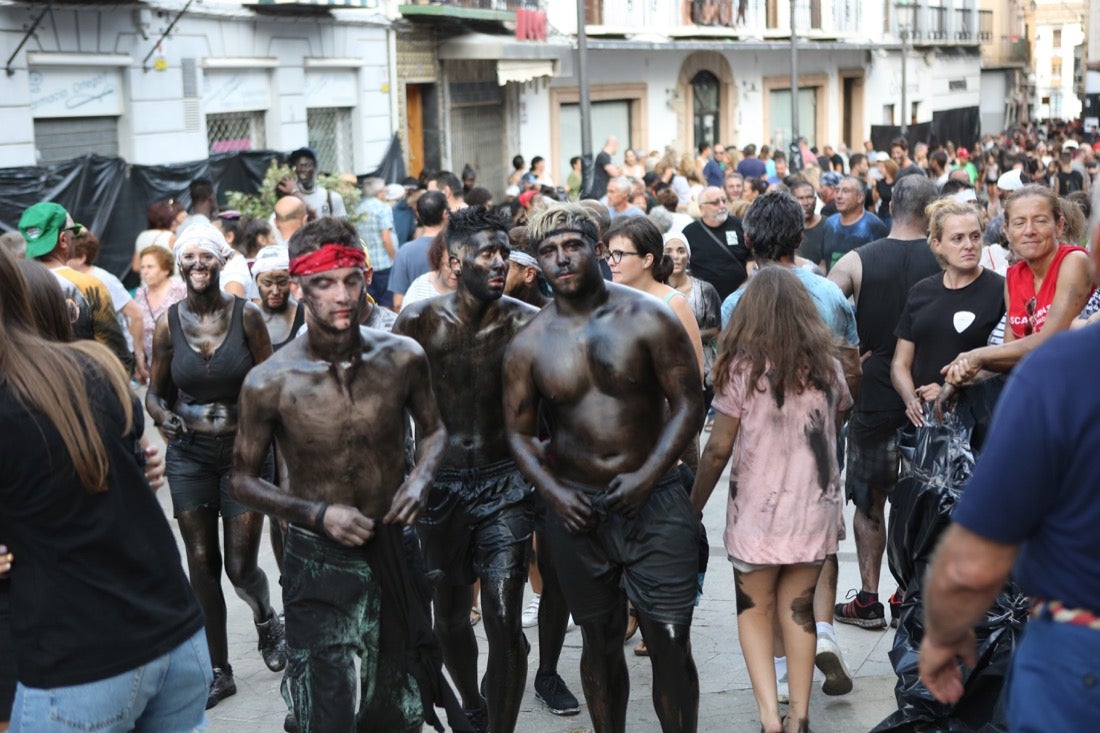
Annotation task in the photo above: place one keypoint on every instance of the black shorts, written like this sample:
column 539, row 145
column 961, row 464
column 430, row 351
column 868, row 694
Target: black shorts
column 478, row 523
column 652, row 558
column 873, row 461
column 197, row 467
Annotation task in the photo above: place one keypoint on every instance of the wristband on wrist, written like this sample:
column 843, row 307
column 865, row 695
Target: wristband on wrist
column 319, row 519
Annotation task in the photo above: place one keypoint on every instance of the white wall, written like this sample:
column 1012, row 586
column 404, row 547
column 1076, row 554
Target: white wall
column 928, row 75
column 152, row 126
column 996, row 87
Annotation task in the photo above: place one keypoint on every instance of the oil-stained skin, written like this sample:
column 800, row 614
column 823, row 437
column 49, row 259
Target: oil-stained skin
column 744, row 601
column 820, row 445
column 802, row 610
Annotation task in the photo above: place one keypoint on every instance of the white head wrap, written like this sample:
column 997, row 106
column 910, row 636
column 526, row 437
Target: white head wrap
column 678, row 237
column 523, row 259
column 206, row 237
column 271, row 258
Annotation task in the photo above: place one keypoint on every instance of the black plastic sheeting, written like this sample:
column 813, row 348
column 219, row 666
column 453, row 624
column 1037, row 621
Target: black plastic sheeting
column 962, row 126
column 940, row 460
column 111, row 197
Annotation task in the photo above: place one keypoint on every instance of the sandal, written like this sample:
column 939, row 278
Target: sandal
column 631, row 623
column 475, row 616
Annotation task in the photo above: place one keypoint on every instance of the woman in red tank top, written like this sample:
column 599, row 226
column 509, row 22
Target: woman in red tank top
column 1044, row 291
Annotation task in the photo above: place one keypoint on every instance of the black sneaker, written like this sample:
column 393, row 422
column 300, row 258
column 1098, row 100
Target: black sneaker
column 272, row 643
column 895, row 608
column 290, row 724
column 551, row 691
column 479, row 718
column 222, row 687
column 861, row 611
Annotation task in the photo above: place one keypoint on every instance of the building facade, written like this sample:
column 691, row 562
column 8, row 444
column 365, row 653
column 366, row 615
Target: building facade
column 110, row 78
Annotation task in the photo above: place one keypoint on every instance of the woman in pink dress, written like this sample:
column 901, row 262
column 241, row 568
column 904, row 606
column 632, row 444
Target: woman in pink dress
column 778, row 391
column 158, row 291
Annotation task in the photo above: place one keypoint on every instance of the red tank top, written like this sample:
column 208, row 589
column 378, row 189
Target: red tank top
column 1027, row 310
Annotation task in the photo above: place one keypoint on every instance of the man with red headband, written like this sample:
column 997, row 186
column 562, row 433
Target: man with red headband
column 478, row 521
column 335, row 400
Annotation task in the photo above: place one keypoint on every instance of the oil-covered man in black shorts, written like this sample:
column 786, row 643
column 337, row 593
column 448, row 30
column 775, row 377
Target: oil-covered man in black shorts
column 335, row 400
column 613, row 372
column 478, row 520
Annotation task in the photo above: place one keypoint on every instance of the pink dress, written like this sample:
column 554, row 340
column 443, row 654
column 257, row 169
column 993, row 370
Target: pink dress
column 785, row 502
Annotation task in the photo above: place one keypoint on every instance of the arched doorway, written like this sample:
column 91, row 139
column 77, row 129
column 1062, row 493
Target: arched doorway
column 706, row 109
column 706, row 112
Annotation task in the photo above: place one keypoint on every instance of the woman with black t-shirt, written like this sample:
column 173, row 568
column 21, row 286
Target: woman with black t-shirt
column 106, row 631
column 948, row 313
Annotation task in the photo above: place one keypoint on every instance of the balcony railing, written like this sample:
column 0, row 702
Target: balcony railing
column 937, row 24
column 985, row 26
column 722, row 18
column 1006, row 52
column 963, row 22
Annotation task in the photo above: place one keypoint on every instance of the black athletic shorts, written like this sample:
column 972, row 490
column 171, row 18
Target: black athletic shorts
column 873, row 460
column 652, row 558
column 478, row 523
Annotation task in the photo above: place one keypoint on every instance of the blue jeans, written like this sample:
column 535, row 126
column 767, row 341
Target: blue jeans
column 167, row 695
column 379, row 288
column 1055, row 680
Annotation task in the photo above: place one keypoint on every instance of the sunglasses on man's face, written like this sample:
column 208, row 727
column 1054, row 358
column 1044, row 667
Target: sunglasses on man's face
column 76, row 229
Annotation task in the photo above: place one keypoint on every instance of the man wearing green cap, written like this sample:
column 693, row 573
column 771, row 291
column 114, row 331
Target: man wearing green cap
column 49, row 231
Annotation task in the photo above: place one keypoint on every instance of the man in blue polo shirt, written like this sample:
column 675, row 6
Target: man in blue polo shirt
column 1032, row 508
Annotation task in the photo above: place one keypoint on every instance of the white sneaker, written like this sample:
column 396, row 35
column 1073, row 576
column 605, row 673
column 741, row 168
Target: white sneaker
column 783, row 690
column 838, row 679
column 530, row 615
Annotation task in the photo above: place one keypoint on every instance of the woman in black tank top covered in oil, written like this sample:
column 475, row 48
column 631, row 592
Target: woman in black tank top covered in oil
column 202, row 349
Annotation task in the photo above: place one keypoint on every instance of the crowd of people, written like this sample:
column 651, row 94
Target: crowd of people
column 438, row 395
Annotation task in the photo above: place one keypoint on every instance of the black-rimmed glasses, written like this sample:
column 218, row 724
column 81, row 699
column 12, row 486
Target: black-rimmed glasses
column 615, row 256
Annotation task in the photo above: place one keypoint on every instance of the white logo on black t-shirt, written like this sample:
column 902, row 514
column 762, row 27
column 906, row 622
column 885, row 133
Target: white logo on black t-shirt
column 962, row 320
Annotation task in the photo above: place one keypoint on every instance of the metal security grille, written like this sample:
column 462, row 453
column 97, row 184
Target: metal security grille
column 329, row 130
column 477, row 132
column 65, row 139
column 231, row 131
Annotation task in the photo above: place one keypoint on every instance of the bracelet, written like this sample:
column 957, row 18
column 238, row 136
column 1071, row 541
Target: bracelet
column 319, row 519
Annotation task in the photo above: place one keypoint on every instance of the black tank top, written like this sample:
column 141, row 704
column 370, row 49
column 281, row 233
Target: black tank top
column 220, row 378
column 295, row 327
column 890, row 268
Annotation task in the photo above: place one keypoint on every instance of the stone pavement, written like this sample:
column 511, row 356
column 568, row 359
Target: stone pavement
column 726, row 701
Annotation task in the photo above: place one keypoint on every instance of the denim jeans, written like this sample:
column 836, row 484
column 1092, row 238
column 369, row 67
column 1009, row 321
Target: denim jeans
column 167, row 695
column 1054, row 684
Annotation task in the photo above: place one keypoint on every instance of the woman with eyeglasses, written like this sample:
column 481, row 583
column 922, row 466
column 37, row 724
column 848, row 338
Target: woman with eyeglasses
column 1044, row 291
column 948, row 313
column 636, row 253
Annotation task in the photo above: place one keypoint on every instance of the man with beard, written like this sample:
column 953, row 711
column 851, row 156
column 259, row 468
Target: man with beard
column 812, row 247
column 478, row 519
column 718, row 252
column 318, row 198
column 613, row 372
column 332, row 399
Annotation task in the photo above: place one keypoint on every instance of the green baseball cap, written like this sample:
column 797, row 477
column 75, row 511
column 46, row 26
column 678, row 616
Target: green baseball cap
column 41, row 225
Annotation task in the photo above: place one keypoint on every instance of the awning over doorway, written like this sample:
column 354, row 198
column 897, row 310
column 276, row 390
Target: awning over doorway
column 517, row 61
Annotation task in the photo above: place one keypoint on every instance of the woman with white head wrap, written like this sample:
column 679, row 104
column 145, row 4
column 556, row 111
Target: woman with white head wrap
column 703, row 299
column 203, row 348
column 282, row 314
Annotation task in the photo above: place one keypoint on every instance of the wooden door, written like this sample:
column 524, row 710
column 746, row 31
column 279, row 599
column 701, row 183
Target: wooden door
column 414, row 128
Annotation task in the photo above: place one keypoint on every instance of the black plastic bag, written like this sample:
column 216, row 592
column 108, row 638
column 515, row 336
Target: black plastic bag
column 939, row 460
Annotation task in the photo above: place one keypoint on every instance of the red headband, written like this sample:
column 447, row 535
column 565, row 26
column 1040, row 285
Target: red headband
column 330, row 256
